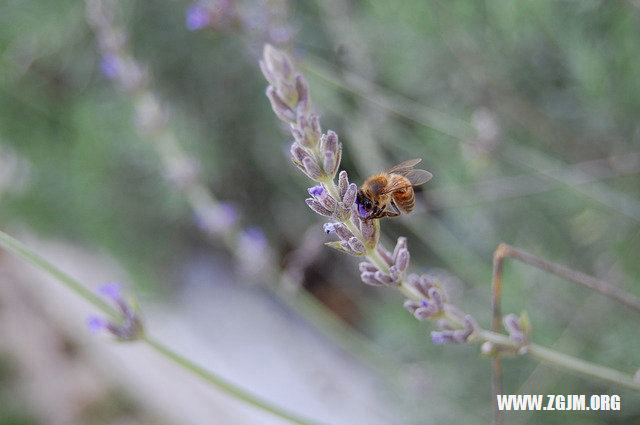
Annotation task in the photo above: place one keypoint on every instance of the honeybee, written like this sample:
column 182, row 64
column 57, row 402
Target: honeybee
column 390, row 193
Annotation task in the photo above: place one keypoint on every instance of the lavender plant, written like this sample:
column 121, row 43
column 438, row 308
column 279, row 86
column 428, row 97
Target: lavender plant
column 317, row 155
column 219, row 221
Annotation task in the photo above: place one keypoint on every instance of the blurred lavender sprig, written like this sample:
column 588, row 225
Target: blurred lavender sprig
column 263, row 21
column 218, row 220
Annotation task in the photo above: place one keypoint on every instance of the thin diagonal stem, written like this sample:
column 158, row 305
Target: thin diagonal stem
column 224, row 385
column 15, row 246
column 564, row 361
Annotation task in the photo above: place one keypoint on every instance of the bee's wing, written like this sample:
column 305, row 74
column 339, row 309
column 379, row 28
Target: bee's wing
column 417, row 177
column 397, row 185
column 403, row 166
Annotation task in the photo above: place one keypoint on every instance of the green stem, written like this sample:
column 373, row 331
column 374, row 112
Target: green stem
column 565, row 361
column 20, row 249
column 17, row 247
column 224, row 385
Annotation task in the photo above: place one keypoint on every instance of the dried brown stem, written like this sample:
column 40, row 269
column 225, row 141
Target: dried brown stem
column 496, row 367
column 590, row 282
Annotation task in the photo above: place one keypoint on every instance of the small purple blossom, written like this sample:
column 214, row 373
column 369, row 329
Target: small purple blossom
column 439, row 338
column 216, row 219
column 329, row 228
column 197, row 17
column 362, row 211
column 126, row 325
column 109, row 66
column 256, row 236
column 228, row 213
column 316, row 191
column 111, row 290
column 96, row 323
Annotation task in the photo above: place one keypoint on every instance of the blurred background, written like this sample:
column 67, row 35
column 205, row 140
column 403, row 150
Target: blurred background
column 525, row 112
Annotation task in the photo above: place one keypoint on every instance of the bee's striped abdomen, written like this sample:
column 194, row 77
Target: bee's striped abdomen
column 404, row 198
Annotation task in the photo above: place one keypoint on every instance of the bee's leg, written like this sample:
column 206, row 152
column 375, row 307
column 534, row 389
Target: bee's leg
column 377, row 213
column 392, row 210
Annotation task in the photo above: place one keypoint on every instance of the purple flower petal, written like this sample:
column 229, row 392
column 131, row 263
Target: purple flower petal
column 256, row 236
column 329, row 228
column 438, row 338
column 110, row 290
column 316, row 190
column 197, row 17
column 229, row 213
column 96, row 323
column 109, row 66
column 362, row 211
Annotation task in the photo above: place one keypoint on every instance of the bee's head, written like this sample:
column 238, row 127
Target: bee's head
column 365, row 206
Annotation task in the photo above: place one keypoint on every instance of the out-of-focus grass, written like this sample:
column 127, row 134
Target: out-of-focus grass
column 12, row 411
column 559, row 78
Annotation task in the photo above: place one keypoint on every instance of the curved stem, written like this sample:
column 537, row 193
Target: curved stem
column 564, row 361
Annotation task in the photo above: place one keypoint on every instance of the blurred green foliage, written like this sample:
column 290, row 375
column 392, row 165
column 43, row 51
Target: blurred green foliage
column 558, row 78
